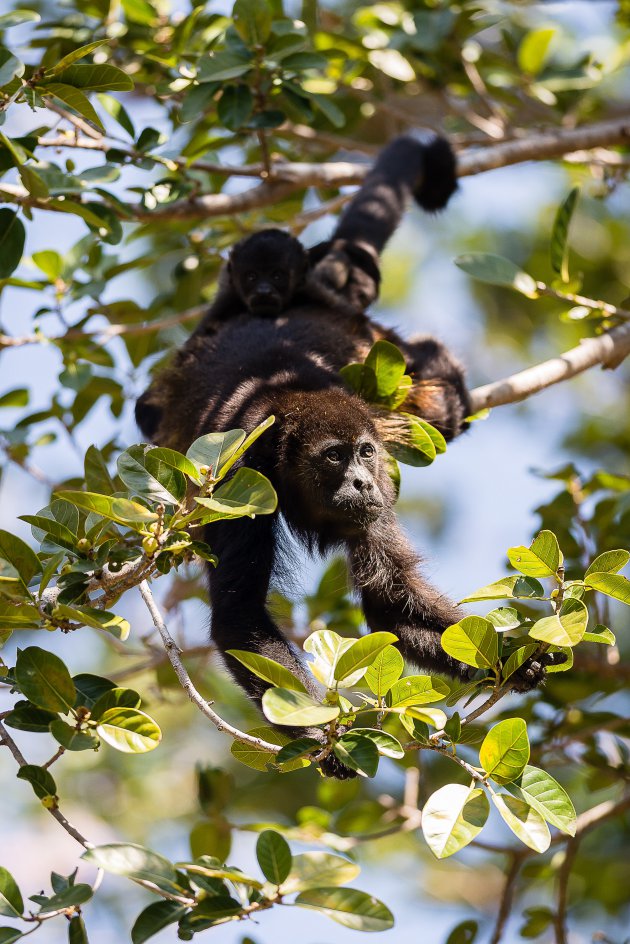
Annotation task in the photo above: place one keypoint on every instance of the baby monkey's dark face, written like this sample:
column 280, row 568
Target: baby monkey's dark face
column 266, row 269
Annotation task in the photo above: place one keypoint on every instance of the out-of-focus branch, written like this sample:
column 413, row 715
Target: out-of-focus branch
column 287, row 178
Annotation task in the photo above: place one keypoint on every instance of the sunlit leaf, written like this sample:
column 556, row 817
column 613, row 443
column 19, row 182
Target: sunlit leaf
column 452, row 817
column 505, row 750
column 349, row 907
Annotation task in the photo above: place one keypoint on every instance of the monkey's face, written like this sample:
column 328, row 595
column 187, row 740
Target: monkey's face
column 346, row 475
column 266, row 269
column 266, row 293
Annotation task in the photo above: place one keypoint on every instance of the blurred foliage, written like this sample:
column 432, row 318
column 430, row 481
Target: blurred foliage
column 126, row 115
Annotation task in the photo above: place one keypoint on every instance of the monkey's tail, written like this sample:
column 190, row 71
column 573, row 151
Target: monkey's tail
column 438, row 181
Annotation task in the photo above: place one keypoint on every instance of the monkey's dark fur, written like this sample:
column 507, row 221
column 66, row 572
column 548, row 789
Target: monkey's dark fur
column 324, row 454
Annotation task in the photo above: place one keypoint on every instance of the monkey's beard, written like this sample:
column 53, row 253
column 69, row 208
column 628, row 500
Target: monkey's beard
column 265, row 306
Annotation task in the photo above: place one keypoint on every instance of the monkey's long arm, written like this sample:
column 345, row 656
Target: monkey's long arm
column 347, row 266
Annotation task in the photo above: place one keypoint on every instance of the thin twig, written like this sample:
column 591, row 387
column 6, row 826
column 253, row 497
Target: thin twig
column 564, row 874
column 173, row 653
column 516, row 860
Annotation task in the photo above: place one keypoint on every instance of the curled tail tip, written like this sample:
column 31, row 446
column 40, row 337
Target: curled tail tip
column 439, row 176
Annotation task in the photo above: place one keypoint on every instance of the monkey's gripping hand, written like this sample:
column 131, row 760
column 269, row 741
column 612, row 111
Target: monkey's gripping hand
column 343, row 275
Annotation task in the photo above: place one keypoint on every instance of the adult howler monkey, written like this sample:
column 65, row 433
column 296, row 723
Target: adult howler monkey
column 324, row 454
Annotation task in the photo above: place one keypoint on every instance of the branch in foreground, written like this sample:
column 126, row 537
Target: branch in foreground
column 172, row 651
column 608, row 350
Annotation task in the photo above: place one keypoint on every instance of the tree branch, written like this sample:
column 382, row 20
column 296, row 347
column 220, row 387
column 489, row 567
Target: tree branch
column 608, row 350
column 172, row 651
column 286, row 179
column 517, row 858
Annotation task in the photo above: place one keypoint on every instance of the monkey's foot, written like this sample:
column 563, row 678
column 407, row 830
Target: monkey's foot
column 331, row 766
column 532, row 673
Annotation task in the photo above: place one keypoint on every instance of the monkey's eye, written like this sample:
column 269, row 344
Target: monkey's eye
column 277, row 275
column 366, row 451
column 333, row 455
column 250, row 278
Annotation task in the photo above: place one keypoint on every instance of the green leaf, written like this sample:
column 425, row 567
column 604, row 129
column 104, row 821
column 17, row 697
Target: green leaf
column 96, row 78
column 74, row 56
column 70, row 738
column 516, row 659
column 115, row 698
column 68, row 898
column 274, row 856
column 120, row 510
column 129, row 730
column 75, row 99
column 268, row 670
column 388, row 365
column 76, row 931
column 464, row 933
column 386, row 669
column 348, row 906
column 53, row 529
column 116, row 111
column 222, row 66
column 295, row 709
column 214, row 450
column 98, row 619
column 252, row 21
column 19, row 555
column 135, row 862
column 10, row 66
column 416, row 446
column 542, row 559
column 473, row 640
column 538, row 789
column 12, row 237
column 247, row 493
column 310, row 869
column 565, row 628
column 613, row 585
column 15, row 398
column 327, row 646
column 17, row 17
column 357, row 752
column 176, row 460
column 41, row 780
column 360, row 379
column 497, row 271
column 416, row 690
column 610, row 562
column 534, row 50
column 524, row 821
column 44, row 679
column 506, row 588
column 558, row 247
column 504, row 618
column 149, row 477
column 386, row 744
column 300, row 747
column 50, row 263
column 9, row 935
column 361, row 653
column 155, row 917
column 433, row 716
column 261, row 760
column 505, row 750
column 11, row 902
column 600, row 634
column 26, row 717
column 452, row 817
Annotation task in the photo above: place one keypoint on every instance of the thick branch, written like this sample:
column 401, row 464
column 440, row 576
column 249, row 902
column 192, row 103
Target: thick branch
column 608, row 349
column 286, row 179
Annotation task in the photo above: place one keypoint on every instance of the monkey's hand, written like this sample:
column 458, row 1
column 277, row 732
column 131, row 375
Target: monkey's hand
column 344, row 275
column 533, row 671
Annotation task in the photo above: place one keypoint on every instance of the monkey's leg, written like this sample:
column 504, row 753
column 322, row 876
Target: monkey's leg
column 238, row 593
column 397, row 599
column 439, row 393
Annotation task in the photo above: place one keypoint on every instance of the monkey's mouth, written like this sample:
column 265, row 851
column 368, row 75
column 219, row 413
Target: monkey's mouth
column 359, row 511
column 265, row 305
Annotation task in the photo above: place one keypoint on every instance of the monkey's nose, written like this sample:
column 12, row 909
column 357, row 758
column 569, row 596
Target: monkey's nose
column 362, row 485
